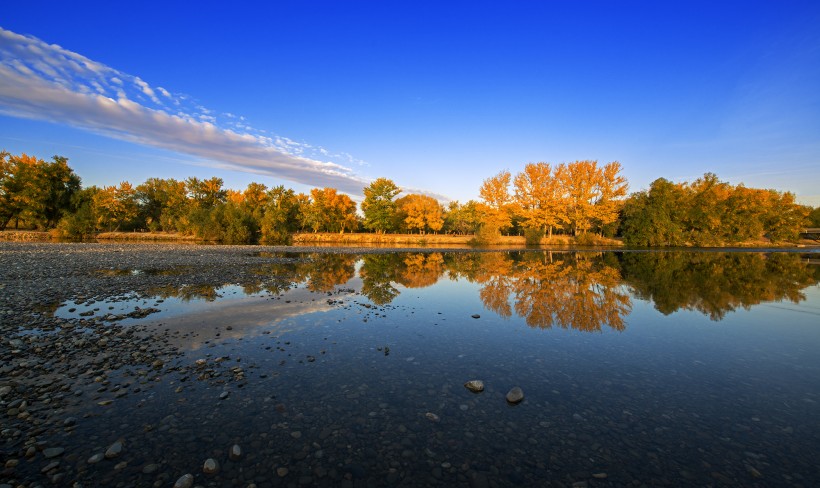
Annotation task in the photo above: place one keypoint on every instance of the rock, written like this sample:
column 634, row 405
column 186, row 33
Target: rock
column 475, row 386
column 599, row 476
column 282, row 472
column 224, row 395
column 95, row 458
column 48, row 467
column 114, row 450
column 53, row 452
column 210, row 466
column 235, row 453
column 150, row 468
column 432, row 417
column 515, row 395
column 185, row 481
column 475, row 316
column 296, row 434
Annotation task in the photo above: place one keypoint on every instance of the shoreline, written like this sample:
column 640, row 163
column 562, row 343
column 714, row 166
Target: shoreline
column 414, row 242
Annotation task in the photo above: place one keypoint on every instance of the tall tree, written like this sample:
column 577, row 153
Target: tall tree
column 34, row 190
column 496, row 200
column 281, row 214
column 539, row 196
column 378, row 206
column 421, row 213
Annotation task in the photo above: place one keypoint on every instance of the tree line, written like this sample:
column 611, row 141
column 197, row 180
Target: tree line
column 582, row 199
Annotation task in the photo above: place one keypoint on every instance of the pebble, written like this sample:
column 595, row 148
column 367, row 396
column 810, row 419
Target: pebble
column 235, row 453
column 515, row 395
column 210, row 466
column 114, row 450
column 282, row 472
column 475, row 386
column 224, row 395
column 95, row 458
column 52, row 452
column 432, row 417
column 185, row 481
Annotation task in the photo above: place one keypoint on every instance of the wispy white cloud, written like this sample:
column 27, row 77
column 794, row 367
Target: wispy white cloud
column 46, row 82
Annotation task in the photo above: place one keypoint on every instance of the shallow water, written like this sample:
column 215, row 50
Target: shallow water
column 673, row 368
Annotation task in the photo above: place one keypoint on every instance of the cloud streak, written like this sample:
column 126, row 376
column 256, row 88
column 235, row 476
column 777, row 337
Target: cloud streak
column 46, row 82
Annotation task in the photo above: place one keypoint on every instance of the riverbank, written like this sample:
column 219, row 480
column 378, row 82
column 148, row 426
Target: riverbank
column 394, row 241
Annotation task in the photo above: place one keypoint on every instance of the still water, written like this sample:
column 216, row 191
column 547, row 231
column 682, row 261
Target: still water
column 638, row 369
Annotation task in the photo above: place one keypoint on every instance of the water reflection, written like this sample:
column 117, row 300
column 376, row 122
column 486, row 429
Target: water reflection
column 717, row 283
column 586, row 291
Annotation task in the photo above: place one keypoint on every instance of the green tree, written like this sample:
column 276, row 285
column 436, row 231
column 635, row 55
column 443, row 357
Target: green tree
column 378, row 206
column 81, row 221
column 206, row 193
column 462, row 219
column 35, row 191
column 162, row 203
column 281, row 216
column 654, row 217
column 814, row 218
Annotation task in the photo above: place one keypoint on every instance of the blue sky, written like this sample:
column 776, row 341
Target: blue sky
column 434, row 95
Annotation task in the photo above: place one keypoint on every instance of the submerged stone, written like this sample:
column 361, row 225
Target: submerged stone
column 515, row 395
column 475, row 386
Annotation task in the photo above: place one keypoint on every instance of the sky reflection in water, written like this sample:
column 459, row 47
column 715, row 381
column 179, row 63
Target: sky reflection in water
column 670, row 367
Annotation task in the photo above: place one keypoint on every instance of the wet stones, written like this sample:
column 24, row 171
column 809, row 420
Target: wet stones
column 515, row 395
column 210, row 467
column 95, row 458
column 235, row 453
column 53, row 452
column 114, row 450
column 475, row 386
column 185, row 481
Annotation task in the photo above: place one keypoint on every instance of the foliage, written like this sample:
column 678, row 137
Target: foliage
column 34, row 191
column 280, row 216
column 582, row 198
column 814, row 218
column 115, row 206
column 329, row 211
column 82, row 222
column 378, row 206
column 419, row 213
column 496, row 212
column 462, row 219
column 709, row 212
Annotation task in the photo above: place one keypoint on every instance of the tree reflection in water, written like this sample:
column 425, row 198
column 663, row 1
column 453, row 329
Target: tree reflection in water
column 580, row 290
column 715, row 283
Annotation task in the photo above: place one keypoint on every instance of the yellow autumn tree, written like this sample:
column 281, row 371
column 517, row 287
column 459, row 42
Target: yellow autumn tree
column 115, row 206
column 539, row 195
column 420, row 212
column 495, row 206
column 593, row 193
